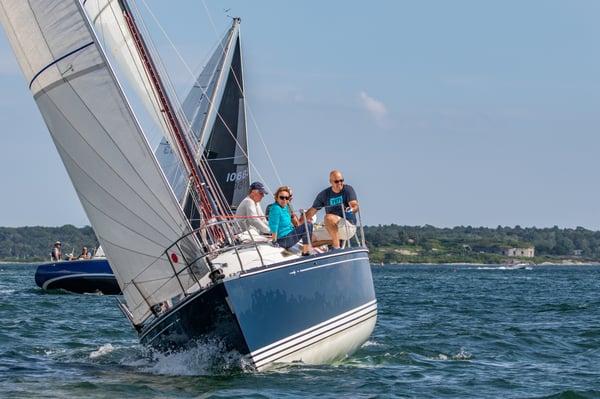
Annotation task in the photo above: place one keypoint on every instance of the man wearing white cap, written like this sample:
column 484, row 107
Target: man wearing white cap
column 56, row 253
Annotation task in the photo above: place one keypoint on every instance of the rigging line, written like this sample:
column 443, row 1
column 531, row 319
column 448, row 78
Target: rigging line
column 173, row 47
column 158, row 61
column 260, row 135
column 264, row 144
column 188, row 128
column 242, row 90
column 173, row 120
column 266, row 149
column 186, row 65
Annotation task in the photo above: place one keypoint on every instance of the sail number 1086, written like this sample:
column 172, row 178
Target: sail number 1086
column 237, row 176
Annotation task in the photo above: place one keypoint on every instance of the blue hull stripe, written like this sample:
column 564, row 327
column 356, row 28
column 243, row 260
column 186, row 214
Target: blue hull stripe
column 309, row 337
column 322, row 257
column 326, row 265
column 79, row 276
column 87, row 276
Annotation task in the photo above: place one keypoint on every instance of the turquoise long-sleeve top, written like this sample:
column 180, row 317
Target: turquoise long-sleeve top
column 280, row 221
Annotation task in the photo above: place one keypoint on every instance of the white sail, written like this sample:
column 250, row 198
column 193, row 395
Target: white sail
column 109, row 22
column 115, row 174
column 220, row 135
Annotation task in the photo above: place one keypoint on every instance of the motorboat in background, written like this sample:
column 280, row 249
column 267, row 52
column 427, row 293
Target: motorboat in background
column 81, row 276
column 517, row 264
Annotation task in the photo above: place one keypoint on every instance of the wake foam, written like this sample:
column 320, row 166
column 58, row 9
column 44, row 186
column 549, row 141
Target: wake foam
column 204, row 358
column 103, row 350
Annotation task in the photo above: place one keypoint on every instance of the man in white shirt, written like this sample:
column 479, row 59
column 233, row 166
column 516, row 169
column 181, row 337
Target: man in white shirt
column 250, row 213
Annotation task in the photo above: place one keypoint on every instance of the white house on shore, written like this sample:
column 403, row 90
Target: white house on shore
column 525, row 252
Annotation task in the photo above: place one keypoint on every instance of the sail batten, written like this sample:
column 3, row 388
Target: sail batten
column 57, row 60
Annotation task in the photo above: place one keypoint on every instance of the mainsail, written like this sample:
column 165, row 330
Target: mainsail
column 120, row 184
column 215, row 120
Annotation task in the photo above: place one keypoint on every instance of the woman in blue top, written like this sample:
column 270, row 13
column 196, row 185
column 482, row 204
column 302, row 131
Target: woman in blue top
column 283, row 231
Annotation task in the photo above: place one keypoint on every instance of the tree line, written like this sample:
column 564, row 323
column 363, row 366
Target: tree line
column 33, row 244
column 387, row 243
column 429, row 244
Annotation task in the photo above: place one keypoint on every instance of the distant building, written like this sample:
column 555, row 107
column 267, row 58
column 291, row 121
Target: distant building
column 525, row 252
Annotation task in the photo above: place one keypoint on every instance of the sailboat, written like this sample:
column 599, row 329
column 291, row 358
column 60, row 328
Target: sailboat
column 188, row 273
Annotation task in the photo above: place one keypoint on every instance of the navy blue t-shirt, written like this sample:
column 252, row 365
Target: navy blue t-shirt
column 332, row 201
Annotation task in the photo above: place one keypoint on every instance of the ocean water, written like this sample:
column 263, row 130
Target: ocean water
column 442, row 332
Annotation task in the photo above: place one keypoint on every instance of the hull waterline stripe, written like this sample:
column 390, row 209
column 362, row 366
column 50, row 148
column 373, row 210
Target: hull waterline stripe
column 363, row 308
column 74, row 276
column 318, row 332
column 305, row 344
column 163, row 330
column 273, row 356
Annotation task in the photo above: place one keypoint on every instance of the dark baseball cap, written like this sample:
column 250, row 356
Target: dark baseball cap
column 258, row 186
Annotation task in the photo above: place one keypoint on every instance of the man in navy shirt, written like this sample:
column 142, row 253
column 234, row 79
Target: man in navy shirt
column 340, row 205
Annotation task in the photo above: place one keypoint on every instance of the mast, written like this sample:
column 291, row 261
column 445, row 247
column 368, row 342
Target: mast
column 183, row 146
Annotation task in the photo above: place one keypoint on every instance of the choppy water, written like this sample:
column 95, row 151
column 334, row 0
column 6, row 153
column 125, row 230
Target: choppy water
column 442, row 332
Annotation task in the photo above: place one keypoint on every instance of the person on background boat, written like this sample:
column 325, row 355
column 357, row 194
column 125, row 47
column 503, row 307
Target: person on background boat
column 56, row 253
column 84, row 254
column 249, row 211
column 283, row 232
column 341, row 205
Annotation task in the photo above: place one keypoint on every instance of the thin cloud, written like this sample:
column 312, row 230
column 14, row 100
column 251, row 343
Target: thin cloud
column 375, row 108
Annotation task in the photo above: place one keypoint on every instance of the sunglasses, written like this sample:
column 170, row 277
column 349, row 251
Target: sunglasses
column 281, row 197
column 338, row 181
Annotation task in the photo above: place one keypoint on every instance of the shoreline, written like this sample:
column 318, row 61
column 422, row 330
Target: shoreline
column 564, row 263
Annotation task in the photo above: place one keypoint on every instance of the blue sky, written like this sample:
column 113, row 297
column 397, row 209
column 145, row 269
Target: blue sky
column 445, row 113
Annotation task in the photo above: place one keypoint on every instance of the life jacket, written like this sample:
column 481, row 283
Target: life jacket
column 56, row 254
